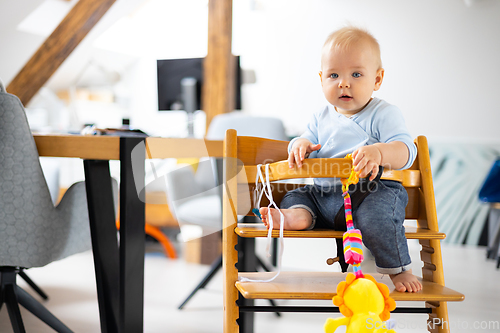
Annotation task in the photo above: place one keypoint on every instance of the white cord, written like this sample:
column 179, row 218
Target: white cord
column 267, row 190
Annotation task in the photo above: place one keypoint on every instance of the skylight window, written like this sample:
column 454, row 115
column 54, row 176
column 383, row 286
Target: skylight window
column 46, row 17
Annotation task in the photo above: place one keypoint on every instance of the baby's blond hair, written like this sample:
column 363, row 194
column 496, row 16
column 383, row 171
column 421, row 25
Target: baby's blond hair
column 346, row 37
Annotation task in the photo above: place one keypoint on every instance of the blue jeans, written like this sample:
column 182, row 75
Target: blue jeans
column 380, row 218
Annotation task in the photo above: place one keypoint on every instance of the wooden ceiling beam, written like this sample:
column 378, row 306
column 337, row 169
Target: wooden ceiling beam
column 57, row 47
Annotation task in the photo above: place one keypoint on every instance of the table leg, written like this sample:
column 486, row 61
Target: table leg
column 132, row 235
column 246, row 263
column 104, row 241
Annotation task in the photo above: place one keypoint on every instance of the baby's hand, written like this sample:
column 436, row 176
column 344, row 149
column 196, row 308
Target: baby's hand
column 367, row 159
column 300, row 150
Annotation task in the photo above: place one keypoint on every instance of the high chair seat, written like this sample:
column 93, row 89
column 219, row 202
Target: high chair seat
column 251, row 230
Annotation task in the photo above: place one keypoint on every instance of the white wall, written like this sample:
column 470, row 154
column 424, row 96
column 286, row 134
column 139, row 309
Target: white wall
column 441, row 59
column 15, row 47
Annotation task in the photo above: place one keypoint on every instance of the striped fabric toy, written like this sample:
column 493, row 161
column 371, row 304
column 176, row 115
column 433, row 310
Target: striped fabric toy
column 352, row 239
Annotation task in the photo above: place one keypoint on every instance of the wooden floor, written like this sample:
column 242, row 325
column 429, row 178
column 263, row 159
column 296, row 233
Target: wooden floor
column 70, row 284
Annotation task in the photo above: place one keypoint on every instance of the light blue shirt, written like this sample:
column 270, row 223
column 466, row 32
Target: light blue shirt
column 338, row 135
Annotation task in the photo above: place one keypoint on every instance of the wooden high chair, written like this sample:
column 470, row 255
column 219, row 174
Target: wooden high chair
column 243, row 154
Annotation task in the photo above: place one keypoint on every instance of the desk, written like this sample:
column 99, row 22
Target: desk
column 119, row 265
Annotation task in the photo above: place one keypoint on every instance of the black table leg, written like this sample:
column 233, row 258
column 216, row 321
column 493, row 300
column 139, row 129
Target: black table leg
column 104, row 241
column 132, row 235
column 246, row 263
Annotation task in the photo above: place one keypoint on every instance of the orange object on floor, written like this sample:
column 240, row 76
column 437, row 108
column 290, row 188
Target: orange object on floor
column 157, row 234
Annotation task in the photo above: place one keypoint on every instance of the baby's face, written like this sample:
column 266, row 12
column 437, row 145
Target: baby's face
column 349, row 77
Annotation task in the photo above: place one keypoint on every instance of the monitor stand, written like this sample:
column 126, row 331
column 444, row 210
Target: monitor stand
column 188, row 91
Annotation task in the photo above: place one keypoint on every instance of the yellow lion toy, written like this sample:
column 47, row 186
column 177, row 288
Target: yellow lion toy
column 365, row 303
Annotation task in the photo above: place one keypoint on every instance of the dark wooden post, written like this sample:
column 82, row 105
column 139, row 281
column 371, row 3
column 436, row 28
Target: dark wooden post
column 219, row 66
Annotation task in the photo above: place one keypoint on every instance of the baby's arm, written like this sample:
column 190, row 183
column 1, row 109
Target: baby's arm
column 392, row 155
column 300, row 150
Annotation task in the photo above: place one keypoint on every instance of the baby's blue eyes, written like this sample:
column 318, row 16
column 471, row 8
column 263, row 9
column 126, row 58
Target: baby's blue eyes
column 336, row 76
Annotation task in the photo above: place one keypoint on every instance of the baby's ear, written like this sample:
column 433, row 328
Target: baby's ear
column 379, row 77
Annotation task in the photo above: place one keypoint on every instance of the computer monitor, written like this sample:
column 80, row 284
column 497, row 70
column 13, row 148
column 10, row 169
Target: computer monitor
column 172, row 71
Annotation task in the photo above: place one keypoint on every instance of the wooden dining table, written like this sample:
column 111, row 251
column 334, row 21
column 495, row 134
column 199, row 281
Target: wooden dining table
column 119, row 261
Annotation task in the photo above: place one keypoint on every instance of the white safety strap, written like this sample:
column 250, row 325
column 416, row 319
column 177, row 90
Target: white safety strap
column 267, row 190
column 257, row 192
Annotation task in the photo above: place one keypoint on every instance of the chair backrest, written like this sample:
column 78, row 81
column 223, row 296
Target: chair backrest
column 21, row 177
column 23, row 190
column 32, row 231
column 256, row 126
column 246, row 125
column 250, row 151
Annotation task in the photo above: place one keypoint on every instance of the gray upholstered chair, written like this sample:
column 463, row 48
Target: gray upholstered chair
column 195, row 198
column 33, row 233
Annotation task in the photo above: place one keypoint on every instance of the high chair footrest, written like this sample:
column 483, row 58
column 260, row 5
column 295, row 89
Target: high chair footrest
column 323, row 286
column 322, row 309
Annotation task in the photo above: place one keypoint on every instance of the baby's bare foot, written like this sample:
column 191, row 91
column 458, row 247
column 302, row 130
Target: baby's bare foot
column 294, row 219
column 406, row 281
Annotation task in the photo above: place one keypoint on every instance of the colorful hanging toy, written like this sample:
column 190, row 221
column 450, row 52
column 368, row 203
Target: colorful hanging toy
column 353, row 250
column 364, row 302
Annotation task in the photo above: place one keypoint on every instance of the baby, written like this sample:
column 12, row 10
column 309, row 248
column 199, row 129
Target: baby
column 374, row 131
